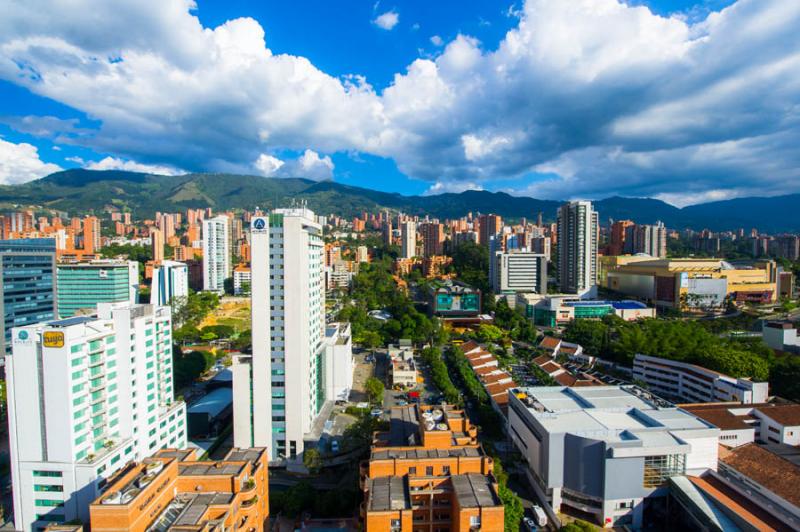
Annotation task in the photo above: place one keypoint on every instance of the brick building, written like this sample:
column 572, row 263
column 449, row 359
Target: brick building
column 428, row 472
column 174, row 491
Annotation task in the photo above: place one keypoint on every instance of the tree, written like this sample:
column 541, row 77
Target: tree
column 312, row 460
column 374, row 388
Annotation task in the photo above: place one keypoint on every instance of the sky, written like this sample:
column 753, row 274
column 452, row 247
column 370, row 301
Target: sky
column 683, row 100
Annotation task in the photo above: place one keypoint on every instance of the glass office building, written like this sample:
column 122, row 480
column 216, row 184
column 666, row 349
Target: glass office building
column 28, row 291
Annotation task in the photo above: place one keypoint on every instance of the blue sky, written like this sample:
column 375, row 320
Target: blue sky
column 546, row 98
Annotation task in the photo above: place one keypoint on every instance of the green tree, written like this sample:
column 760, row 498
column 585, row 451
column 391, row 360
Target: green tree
column 312, row 460
column 374, row 388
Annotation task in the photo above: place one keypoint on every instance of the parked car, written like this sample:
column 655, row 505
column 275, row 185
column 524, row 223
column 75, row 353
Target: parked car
column 334, row 446
column 529, row 525
column 539, row 515
column 376, row 412
column 402, row 403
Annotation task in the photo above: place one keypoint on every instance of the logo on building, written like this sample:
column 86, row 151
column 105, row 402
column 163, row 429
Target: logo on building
column 53, row 339
column 23, row 335
column 259, row 225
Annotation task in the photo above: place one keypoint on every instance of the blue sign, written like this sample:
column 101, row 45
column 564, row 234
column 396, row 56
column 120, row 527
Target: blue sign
column 259, row 223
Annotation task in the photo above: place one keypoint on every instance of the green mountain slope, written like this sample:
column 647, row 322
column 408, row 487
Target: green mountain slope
column 79, row 191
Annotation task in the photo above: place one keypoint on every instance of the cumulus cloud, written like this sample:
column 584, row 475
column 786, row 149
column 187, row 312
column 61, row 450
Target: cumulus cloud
column 387, row 21
column 437, row 40
column 309, row 165
column 20, row 163
column 441, row 187
column 603, row 96
column 114, row 163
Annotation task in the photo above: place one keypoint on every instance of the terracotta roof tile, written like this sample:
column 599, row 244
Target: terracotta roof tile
column 768, row 469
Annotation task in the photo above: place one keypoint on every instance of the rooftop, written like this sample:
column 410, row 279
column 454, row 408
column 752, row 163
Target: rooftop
column 214, row 403
column 474, row 491
column 388, row 493
column 775, row 473
column 622, row 415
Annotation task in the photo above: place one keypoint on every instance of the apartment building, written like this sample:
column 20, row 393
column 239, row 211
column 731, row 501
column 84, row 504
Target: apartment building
column 242, row 279
column 578, row 232
column 688, row 382
column 408, row 239
column 170, row 281
column 28, row 287
column 428, row 472
column 82, row 285
column 173, row 490
column 280, row 389
column 432, row 238
column 86, row 395
column 216, row 253
column 519, row 271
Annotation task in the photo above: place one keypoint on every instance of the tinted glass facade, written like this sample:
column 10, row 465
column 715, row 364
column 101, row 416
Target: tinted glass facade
column 28, row 295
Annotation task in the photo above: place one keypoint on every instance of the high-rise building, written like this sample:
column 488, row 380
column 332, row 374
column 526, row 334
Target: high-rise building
column 28, row 284
column 279, row 390
column 91, row 235
column 488, row 226
column 362, row 254
column 157, row 245
column 616, row 244
column 216, row 253
column 648, row 239
column 432, row 238
column 578, row 233
column 82, row 285
column 86, row 395
column 519, row 271
column 170, row 281
column 408, row 239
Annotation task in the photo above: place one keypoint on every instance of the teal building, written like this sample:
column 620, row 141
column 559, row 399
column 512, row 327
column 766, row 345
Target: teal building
column 82, row 285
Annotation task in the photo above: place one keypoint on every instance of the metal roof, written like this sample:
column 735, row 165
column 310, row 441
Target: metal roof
column 474, row 491
column 214, row 403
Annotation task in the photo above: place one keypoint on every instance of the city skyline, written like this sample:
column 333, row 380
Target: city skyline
column 663, row 107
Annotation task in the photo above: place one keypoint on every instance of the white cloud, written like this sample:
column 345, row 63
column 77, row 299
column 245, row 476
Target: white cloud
column 608, row 97
column 309, row 165
column 20, row 163
column 77, row 160
column 441, row 187
column 437, row 40
column 388, row 20
column 114, row 163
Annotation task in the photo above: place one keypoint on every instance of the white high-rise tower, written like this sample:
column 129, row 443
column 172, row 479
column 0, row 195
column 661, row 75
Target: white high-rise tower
column 280, row 389
column 216, row 253
column 578, row 233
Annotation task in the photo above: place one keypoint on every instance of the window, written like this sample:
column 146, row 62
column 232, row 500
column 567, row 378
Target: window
column 773, row 429
column 429, row 471
column 657, row 469
column 474, row 521
column 446, row 470
column 47, row 487
column 412, row 470
column 50, row 474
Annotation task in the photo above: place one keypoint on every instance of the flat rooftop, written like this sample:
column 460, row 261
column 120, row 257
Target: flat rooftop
column 388, row 493
column 420, row 453
column 474, row 491
column 625, row 415
column 403, row 426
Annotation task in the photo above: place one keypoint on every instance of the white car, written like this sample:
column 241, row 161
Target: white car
column 528, row 525
column 376, row 412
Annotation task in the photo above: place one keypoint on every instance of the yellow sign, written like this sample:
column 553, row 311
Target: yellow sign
column 53, row 339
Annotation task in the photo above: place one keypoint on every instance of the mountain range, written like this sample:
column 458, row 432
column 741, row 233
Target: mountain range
column 79, row 191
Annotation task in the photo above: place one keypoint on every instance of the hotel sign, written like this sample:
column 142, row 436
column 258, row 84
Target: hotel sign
column 53, row 339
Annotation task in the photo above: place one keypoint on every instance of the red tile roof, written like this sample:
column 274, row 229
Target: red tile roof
column 776, row 474
column 548, row 342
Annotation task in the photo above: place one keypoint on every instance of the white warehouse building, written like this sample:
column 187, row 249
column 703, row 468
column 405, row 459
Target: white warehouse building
column 603, row 450
column 87, row 395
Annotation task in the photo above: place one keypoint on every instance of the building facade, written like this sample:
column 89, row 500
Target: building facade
column 28, row 284
column 519, row 271
column 86, row 395
column 170, row 281
column 428, row 472
column 604, row 450
column 216, row 253
column 577, row 234
column 688, row 382
column 432, row 238
column 280, row 389
column 82, row 285
column 408, row 239
column 174, row 490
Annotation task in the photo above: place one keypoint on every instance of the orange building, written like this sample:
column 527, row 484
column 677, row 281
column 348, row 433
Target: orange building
column 434, row 266
column 428, row 473
column 432, row 238
column 91, row 235
column 174, row 491
column 157, row 245
column 488, row 226
column 616, row 243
